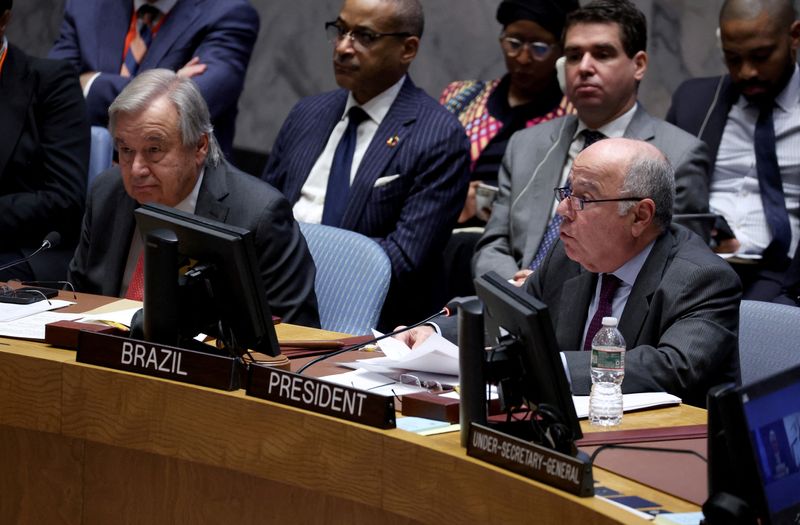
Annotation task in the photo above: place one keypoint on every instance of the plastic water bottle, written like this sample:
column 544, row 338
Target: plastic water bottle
column 608, row 371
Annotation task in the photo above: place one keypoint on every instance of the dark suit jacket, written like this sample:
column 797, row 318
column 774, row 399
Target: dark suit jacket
column 680, row 322
column 44, row 158
column 412, row 215
column 700, row 106
column 221, row 33
column 226, row 195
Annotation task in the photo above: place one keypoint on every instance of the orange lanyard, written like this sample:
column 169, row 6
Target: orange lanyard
column 3, row 58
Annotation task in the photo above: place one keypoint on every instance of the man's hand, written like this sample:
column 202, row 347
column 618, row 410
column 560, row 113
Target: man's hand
column 731, row 245
column 471, row 204
column 192, row 68
column 86, row 77
column 416, row 336
column 520, row 276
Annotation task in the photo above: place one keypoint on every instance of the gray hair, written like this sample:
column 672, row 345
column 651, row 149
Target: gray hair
column 193, row 116
column 652, row 177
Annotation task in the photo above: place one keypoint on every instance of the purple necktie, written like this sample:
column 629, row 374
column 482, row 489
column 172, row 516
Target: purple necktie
column 608, row 287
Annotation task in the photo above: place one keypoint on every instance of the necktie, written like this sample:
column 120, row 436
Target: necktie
column 551, row 233
column 141, row 40
column 136, row 286
column 608, row 287
column 769, row 181
column 338, row 188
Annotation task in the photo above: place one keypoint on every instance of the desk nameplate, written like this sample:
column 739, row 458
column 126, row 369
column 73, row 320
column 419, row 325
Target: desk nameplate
column 321, row 397
column 531, row 460
column 166, row 362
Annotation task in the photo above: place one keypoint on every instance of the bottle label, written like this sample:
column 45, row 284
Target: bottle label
column 612, row 358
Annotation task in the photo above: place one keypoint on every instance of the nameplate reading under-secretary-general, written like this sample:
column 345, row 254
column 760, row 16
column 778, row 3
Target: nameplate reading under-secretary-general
column 322, row 397
column 531, row 460
column 167, row 362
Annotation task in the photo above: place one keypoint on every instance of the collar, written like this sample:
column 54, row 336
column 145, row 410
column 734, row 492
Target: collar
column 189, row 204
column 378, row 106
column 628, row 272
column 789, row 98
column 614, row 129
column 165, row 6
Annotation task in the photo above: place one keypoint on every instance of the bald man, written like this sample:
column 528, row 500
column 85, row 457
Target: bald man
column 677, row 302
column 750, row 119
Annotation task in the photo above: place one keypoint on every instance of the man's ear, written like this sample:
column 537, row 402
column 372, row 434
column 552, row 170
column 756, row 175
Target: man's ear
column 644, row 213
column 640, row 65
column 410, row 48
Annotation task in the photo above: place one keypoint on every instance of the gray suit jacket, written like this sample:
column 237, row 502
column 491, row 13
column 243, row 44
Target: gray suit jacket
column 680, row 323
column 532, row 167
column 226, row 195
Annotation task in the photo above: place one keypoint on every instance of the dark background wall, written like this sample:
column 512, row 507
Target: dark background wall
column 292, row 57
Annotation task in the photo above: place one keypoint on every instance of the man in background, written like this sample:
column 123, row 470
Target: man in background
column 750, row 118
column 44, row 160
column 605, row 46
column 110, row 41
column 378, row 156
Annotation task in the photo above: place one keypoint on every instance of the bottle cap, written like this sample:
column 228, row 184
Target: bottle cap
column 609, row 321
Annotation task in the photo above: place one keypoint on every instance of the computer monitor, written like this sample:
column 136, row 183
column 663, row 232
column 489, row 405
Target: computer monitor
column 532, row 372
column 202, row 275
column 754, row 446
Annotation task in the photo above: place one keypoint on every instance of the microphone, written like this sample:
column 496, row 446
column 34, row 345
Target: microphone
column 51, row 240
column 449, row 310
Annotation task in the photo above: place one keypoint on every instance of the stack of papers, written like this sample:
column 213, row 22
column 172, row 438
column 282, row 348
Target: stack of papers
column 436, row 355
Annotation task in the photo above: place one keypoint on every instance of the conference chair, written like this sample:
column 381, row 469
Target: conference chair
column 353, row 274
column 101, row 153
column 769, row 339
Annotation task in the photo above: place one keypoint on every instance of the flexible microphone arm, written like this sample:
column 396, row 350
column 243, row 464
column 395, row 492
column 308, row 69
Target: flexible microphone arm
column 51, row 240
column 447, row 311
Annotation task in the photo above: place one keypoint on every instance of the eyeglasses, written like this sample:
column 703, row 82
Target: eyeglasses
column 361, row 37
column 514, row 46
column 577, row 203
column 432, row 386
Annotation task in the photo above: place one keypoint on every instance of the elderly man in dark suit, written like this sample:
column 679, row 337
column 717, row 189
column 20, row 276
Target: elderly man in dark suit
column 605, row 50
column 379, row 157
column 44, row 158
column 110, row 41
column 749, row 118
column 168, row 155
column 619, row 255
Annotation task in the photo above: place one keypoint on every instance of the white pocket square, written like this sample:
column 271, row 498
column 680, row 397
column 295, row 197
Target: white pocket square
column 383, row 181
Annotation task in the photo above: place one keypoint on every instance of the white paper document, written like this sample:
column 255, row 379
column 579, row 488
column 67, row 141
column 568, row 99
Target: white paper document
column 11, row 312
column 373, row 382
column 630, row 402
column 122, row 317
column 436, row 354
column 32, row 327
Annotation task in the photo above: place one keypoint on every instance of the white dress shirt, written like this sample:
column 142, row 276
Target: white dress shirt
column 734, row 184
column 309, row 206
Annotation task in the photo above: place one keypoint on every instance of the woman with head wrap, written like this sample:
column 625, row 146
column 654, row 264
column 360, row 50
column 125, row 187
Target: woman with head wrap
column 491, row 111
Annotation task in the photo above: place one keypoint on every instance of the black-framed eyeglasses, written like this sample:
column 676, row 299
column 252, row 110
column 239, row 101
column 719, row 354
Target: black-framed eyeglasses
column 514, row 46
column 361, row 37
column 578, row 203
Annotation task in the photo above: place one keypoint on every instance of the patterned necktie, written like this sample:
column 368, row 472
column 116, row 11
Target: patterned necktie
column 608, row 287
column 551, row 233
column 338, row 190
column 769, row 182
column 136, row 286
column 141, row 40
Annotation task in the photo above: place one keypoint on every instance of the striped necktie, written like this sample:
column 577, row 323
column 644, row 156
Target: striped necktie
column 143, row 36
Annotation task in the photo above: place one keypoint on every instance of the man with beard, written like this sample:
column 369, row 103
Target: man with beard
column 750, row 119
column 379, row 156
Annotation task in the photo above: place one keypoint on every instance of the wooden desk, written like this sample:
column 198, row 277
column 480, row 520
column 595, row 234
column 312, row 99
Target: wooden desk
column 82, row 444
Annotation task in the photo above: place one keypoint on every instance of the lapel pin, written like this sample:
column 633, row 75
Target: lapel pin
column 392, row 141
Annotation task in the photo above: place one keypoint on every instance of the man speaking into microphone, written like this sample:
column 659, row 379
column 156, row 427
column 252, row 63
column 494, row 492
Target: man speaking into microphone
column 168, row 155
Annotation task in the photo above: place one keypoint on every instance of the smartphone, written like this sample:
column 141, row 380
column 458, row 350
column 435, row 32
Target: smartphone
column 28, row 295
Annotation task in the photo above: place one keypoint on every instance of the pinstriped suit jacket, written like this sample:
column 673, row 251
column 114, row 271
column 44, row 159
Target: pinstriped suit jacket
column 680, row 322
column 412, row 216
